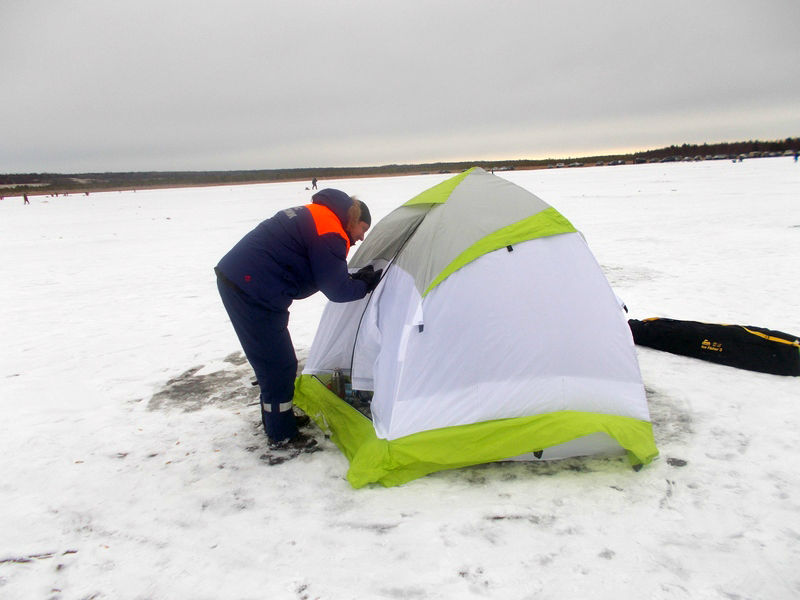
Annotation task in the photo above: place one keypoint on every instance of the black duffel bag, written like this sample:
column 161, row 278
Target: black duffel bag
column 745, row 347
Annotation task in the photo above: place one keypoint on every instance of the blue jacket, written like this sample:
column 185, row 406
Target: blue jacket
column 296, row 253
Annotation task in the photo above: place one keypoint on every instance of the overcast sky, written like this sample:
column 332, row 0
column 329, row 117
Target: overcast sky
column 119, row 85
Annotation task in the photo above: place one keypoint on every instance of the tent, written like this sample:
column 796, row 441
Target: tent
column 493, row 335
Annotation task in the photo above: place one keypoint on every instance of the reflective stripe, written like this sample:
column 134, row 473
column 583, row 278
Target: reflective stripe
column 772, row 338
column 282, row 407
column 326, row 221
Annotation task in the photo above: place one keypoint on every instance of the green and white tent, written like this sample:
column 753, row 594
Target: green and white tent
column 493, row 335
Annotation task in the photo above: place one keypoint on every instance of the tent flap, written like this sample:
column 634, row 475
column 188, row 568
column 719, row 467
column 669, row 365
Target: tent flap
column 348, row 428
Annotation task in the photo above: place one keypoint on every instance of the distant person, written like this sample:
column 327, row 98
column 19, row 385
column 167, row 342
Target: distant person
column 796, row 153
column 313, row 183
column 25, row 199
column 290, row 256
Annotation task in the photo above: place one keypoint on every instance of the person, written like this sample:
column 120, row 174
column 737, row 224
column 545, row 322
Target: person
column 295, row 253
column 25, row 199
column 313, row 183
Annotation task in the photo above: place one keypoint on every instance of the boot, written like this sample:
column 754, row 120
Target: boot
column 301, row 420
column 301, row 441
column 278, row 426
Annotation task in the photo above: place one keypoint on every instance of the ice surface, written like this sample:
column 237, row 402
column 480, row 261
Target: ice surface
column 133, row 465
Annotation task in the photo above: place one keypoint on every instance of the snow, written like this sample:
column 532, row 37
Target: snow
column 133, row 465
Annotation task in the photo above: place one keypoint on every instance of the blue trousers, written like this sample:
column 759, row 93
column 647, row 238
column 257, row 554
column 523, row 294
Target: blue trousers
column 264, row 336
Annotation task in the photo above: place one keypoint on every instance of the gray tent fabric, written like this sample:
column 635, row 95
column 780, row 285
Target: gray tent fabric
column 480, row 205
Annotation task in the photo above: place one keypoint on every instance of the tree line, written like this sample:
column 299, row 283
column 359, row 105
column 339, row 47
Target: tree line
column 17, row 184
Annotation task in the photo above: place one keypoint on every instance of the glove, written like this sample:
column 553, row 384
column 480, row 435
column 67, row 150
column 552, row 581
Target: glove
column 373, row 280
column 363, row 273
column 369, row 276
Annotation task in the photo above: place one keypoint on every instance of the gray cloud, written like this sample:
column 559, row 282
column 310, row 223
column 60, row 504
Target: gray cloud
column 95, row 85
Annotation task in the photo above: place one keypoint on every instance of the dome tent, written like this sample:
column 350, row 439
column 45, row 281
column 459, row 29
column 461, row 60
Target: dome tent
column 492, row 335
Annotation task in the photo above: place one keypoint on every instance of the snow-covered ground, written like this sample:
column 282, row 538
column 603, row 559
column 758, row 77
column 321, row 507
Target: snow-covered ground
column 133, row 465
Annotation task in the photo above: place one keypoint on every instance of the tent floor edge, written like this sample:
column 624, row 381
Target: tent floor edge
column 398, row 461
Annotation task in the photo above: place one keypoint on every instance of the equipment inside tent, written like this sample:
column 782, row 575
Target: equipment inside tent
column 493, row 335
column 744, row 347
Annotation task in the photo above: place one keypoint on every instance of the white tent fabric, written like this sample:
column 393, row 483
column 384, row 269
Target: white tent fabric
column 492, row 344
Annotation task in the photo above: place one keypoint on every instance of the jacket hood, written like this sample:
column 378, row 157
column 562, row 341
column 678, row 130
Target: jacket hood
column 336, row 200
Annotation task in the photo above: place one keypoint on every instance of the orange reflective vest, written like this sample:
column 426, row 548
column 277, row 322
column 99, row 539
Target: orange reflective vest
column 326, row 221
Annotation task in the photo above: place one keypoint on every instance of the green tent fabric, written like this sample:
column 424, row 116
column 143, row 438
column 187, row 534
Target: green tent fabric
column 389, row 463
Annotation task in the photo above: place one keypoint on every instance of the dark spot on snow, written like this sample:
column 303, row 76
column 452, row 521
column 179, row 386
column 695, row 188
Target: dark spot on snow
column 475, row 577
column 15, row 559
column 544, row 520
column 579, row 467
column 379, row 528
column 31, row 557
column 727, row 444
column 670, row 417
column 277, row 457
column 273, row 460
column 229, row 386
column 236, row 358
column 676, row 462
column 570, row 531
column 489, row 473
column 546, row 559
column 190, row 391
column 665, row 501
column 607, row 554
